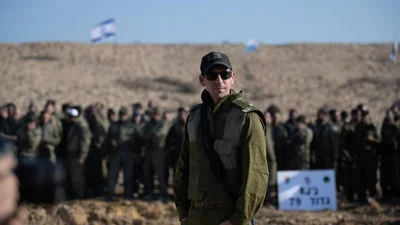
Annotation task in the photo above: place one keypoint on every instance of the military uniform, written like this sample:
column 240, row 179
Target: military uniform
column 324, row 146
column 120, row 144
column 272, row 166
column 51, row 136
column 154, row 135
column 94, row 161
column 77, row 148
column 238, row 131
column 27, row 144
column 387, row 152
column 297, row 156
column 280, row 137
column 366, row 159
column 347, row 150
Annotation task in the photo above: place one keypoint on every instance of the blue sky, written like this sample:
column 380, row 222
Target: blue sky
column 203, row 21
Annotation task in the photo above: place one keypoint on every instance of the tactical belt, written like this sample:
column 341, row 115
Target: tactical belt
column 196, row 204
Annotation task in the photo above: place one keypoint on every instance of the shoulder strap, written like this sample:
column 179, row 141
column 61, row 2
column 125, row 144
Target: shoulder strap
column 247, row 107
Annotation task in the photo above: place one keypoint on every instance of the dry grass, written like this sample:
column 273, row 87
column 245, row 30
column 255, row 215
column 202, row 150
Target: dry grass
column 305, row 76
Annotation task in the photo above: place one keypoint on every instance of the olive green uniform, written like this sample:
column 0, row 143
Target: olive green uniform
column 272, row 167
column 154, row 135
column 347, row 155
column 238, row 131
column 27, row 143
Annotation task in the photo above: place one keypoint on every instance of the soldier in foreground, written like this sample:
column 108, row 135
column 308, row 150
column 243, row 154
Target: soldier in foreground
column 10, row 212
column 222, row 172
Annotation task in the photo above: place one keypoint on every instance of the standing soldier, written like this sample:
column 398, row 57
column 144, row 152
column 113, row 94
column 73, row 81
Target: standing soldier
column 222, row 172
column 298, row 155
column 174, row 140
column 279, row 136
column 77, row 148
column 120, row 145
column 343, row 117
column 94, row 167
column 11, row 123
column 32, row 110
column 28, row 140
column 271, row 159
column 324, row 146
column 336, row 127
column 154, row 135
column 347, row 150
column 138, row 153
column 367, row 157
column 387, row 151
column 51, row 136
column 65, row 126
column 291, row 123
column 50, row 108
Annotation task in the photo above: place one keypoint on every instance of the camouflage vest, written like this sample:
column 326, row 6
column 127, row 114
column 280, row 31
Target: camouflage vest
column 226, row 127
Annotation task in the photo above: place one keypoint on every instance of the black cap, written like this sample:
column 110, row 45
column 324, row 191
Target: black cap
column 123, row 111
column 32, row 103
column 110, row 111
column 365, row 113
column 155, row 111
column 51, row 102
column 65, row 107
column 273, row 109
column 323, row 110
column 212, row 59
column 301, row 119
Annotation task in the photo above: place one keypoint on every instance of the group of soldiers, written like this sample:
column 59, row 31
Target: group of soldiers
column 351, row 145
column 80, row 152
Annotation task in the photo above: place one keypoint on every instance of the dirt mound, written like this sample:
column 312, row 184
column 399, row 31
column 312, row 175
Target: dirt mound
column 139, row 213
column 305, row 76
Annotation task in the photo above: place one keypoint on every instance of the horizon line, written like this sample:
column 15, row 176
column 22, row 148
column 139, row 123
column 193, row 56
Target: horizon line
column 199, row 43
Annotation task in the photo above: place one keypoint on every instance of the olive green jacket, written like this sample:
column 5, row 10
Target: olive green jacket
column 244, row 159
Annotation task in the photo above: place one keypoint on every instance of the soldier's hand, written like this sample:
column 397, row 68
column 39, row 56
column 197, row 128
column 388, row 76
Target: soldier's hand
column 184, row 221
column 370, row 137
column 81, row 161
column 9, row 193
column 226, row 223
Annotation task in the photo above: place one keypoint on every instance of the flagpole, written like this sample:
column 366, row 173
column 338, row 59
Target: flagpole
column 115, row 47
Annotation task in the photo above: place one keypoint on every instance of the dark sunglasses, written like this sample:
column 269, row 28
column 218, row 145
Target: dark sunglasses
column 213, row 75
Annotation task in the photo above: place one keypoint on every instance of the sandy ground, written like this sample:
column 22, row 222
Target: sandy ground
column 139, row 212
column 305, row 76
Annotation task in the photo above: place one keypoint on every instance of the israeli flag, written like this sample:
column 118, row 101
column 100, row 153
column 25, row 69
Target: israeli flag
column 252, row 45
column 96, row 34
column 109, row 28
column 393, row 55
column 102, row 30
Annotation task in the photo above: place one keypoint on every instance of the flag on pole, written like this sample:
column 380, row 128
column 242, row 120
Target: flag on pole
column 252, row 45
column 393, row 54
column 103, row 30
